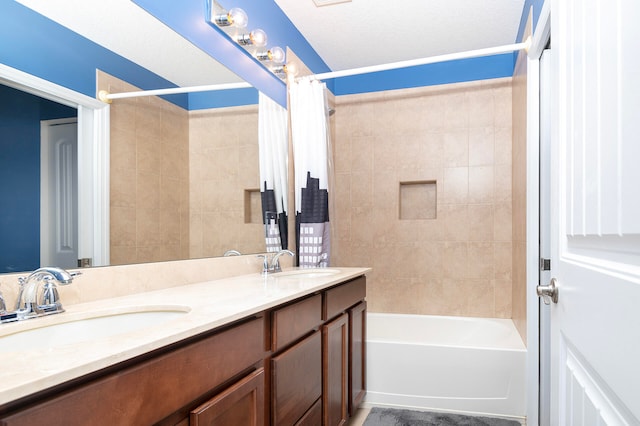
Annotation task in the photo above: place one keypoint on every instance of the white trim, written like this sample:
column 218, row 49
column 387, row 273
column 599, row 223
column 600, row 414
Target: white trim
column 542, row 32
column 93, row 157
column 532, row 237
column 539, row 41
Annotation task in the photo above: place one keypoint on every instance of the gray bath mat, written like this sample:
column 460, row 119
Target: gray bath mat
column 396, row 417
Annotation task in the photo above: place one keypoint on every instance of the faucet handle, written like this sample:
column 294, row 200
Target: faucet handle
column 49, row 299
column 265, row 263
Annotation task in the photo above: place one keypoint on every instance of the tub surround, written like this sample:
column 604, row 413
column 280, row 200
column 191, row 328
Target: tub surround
column 210, row 304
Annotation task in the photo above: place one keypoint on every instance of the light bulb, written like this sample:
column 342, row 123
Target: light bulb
column 275, row 54
column 236, row 17
column 256, row 38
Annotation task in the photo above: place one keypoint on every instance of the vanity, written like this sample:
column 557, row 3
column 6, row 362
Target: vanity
column 282, row 349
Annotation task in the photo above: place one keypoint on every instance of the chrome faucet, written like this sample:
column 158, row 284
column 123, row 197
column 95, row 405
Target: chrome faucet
column 38, row 294
column 232, row 253
column 273, row 266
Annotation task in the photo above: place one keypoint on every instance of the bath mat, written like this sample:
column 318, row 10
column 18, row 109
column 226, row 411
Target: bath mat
column 397, row 417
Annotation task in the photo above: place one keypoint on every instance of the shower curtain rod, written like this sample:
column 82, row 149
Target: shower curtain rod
column 107, row 97
column 423, row 61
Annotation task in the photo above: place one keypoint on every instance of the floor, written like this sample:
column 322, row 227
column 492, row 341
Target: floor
column 360, row 416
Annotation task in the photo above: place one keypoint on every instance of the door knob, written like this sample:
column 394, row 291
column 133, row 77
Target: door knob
column 549, row 293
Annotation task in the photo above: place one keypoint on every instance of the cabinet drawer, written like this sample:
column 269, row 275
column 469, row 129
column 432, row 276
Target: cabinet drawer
column 313, row 417
column 296, row 380
column 241, row 404
column 342, row 297
column 294, row 321
column 151, row 390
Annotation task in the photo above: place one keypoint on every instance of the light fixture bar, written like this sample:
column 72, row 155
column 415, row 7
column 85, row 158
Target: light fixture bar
column 107, row 97
column 423, row 61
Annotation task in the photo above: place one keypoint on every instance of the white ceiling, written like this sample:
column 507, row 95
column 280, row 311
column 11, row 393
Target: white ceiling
column 360, row 33
column 346, row 35
column 126, row 29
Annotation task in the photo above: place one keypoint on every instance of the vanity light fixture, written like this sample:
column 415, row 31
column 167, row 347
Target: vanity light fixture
column 235, row 16
column 275, row 55
column 257, row 38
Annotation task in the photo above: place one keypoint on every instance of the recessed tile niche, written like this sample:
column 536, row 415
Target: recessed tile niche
column 252, row 206
column 418, row 200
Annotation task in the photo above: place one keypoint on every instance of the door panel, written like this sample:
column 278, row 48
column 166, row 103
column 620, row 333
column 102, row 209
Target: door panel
column 59, row 194
column 595, row 226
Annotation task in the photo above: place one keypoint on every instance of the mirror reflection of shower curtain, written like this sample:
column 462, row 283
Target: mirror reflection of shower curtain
column 273, row 151
column 310, row 137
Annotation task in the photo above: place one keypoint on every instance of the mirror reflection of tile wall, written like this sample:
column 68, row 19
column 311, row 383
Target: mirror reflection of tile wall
column 178, row 179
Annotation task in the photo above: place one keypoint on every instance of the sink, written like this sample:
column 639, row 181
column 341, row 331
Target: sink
column 76, row 328
column 307, row 273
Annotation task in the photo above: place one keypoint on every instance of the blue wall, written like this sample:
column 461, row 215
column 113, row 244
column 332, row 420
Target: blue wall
column 20, row 115
column 39, row 46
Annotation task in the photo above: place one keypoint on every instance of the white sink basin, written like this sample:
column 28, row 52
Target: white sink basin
column 73, row 330
column 307, row 273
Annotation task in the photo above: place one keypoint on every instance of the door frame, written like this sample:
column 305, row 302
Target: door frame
column 93, row 158
column 540, row 38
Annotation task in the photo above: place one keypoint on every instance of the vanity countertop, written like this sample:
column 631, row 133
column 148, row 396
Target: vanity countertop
column 208, row 305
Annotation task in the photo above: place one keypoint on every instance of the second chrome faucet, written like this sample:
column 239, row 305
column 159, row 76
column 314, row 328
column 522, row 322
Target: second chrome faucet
column 270, row 266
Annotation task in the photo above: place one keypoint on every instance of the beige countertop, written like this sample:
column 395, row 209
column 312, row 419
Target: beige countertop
column 205, row 306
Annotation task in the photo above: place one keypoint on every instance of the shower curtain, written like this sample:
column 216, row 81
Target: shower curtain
column 273, row 151
column 308, row 108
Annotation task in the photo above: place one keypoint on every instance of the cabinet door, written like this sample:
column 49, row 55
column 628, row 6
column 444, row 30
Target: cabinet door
column 296, row 380
column 357, row 354
column 240, row 405
column 335, row 337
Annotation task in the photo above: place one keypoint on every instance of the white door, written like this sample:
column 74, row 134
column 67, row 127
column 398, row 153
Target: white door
column 59, row 193
column 595, row 213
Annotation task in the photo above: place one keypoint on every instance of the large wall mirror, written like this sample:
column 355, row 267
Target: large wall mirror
column 182, row 184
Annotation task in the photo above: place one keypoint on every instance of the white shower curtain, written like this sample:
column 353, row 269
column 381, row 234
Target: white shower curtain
column 273, row 152
column 308, row 108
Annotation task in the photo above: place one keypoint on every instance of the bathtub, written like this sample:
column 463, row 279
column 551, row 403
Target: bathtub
column 457, row 364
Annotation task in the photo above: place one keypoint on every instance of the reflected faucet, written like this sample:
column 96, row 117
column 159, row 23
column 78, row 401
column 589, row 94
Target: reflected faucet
column 38, row 294
column 232, row 253
column 274, row 265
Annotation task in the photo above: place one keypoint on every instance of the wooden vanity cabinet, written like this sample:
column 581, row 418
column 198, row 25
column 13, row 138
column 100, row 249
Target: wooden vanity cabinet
column 241, row 404
column 296, row 363
column 343, row 350
column 357, row 355
column 162, row 389
column 300, row 363
column 335, row 356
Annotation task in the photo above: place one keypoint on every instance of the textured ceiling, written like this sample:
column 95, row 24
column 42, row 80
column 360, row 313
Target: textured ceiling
column 346, row 35
column 371, row 32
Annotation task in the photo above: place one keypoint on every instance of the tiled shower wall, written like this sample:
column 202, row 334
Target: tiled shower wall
column 459, row 136
column 149, row 196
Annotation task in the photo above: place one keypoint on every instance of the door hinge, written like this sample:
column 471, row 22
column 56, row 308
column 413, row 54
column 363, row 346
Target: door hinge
column 545, row 264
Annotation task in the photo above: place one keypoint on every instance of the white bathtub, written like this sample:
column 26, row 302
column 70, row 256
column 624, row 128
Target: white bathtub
column 466, row 365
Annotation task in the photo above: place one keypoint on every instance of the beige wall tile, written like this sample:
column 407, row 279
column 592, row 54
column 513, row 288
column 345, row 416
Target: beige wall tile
column 459, row 262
